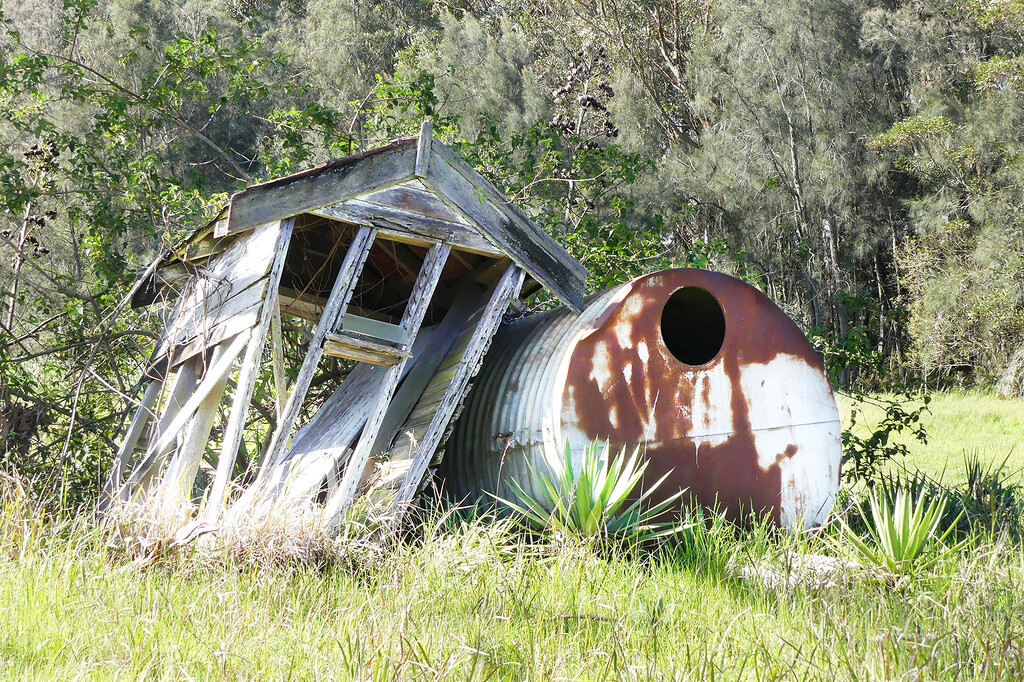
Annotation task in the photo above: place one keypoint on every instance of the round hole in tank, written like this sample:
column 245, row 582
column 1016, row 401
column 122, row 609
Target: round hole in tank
column 693, row 325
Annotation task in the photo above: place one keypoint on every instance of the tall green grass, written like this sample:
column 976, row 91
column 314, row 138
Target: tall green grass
column 474, row 600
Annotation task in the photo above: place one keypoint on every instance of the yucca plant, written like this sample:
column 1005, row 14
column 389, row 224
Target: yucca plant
column 900, row 535
column 591, row 502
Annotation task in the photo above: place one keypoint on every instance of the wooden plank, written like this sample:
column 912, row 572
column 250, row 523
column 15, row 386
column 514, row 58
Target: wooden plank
column 409, row 228
column 143, row 414
column 374, row 328
column 241, row 322
column 465, row 304
column 334, row 309
column 184, row 465
column 183, row 386
column 418, row 202
column 220, row 297
column 419, row 301
column 423, row 142
column 299, row 304
column 506, row 227
column 324, row 442
column 318, row 447
column 363, row 350
column 170, row 429
column 504, row 293
column 247, row 381
column 309, row 307
column 329, row 184
column 277, row 345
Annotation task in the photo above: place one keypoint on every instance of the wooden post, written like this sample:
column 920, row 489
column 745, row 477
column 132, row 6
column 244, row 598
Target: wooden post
column 504, row 293
column 419, row 300
column 247, row 380
column 277, row 342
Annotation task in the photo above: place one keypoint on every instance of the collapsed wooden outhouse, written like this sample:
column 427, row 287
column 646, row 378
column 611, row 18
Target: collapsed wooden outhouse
column 404, row 259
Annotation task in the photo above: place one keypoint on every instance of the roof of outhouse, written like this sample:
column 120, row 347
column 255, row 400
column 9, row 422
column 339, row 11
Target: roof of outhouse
column 413, row 185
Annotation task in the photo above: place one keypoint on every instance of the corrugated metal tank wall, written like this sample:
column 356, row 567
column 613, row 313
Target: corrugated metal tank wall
column 719, row 388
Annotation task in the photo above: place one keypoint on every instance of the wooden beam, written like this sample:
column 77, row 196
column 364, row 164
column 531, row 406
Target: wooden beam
column 334, row 309
column 364, row 350
column 506, row 227
column 328, row 184
column 181, row 472
column 247, row 381
column 410, row 228
column 277, row 346
column 468, row 364
column 419, row 300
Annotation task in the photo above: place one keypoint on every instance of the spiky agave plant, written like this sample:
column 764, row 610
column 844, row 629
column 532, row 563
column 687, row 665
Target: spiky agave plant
column 898, row 536
column 591, row 502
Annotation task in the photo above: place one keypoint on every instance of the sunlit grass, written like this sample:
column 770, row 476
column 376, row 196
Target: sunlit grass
column 475, row 600
column 960, row 423
column 471, row 601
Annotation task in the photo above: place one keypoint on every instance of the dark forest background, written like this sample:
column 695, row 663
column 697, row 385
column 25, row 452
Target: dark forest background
column 862, row 162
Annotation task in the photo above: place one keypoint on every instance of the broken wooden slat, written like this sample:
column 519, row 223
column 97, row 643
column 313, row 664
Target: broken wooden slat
column 335, row 307
column 419, row 300
column 143, row 413
column 468, row 364
column 352, row 347
column 247, row 380
column 506, row 227
column 374, row 328
column 170, row 429
column 328, row 184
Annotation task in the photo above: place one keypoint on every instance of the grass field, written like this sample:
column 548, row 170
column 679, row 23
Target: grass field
column 473, row 600
column 958, row 424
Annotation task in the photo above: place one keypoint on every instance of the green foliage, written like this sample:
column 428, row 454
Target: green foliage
column 598, row 501
column 901, row 532
column 959, row 144
column 865, row 457
column 987, row 501
column 853, row 361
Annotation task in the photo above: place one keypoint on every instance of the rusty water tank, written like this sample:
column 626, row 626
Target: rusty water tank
column 719, row 388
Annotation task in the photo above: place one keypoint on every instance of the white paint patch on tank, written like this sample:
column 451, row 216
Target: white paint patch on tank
column 602, row 371
column 795, row 423
column 711, row 410
column 642, row 352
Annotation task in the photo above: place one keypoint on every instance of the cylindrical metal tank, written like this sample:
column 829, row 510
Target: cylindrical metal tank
column 718, row 387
